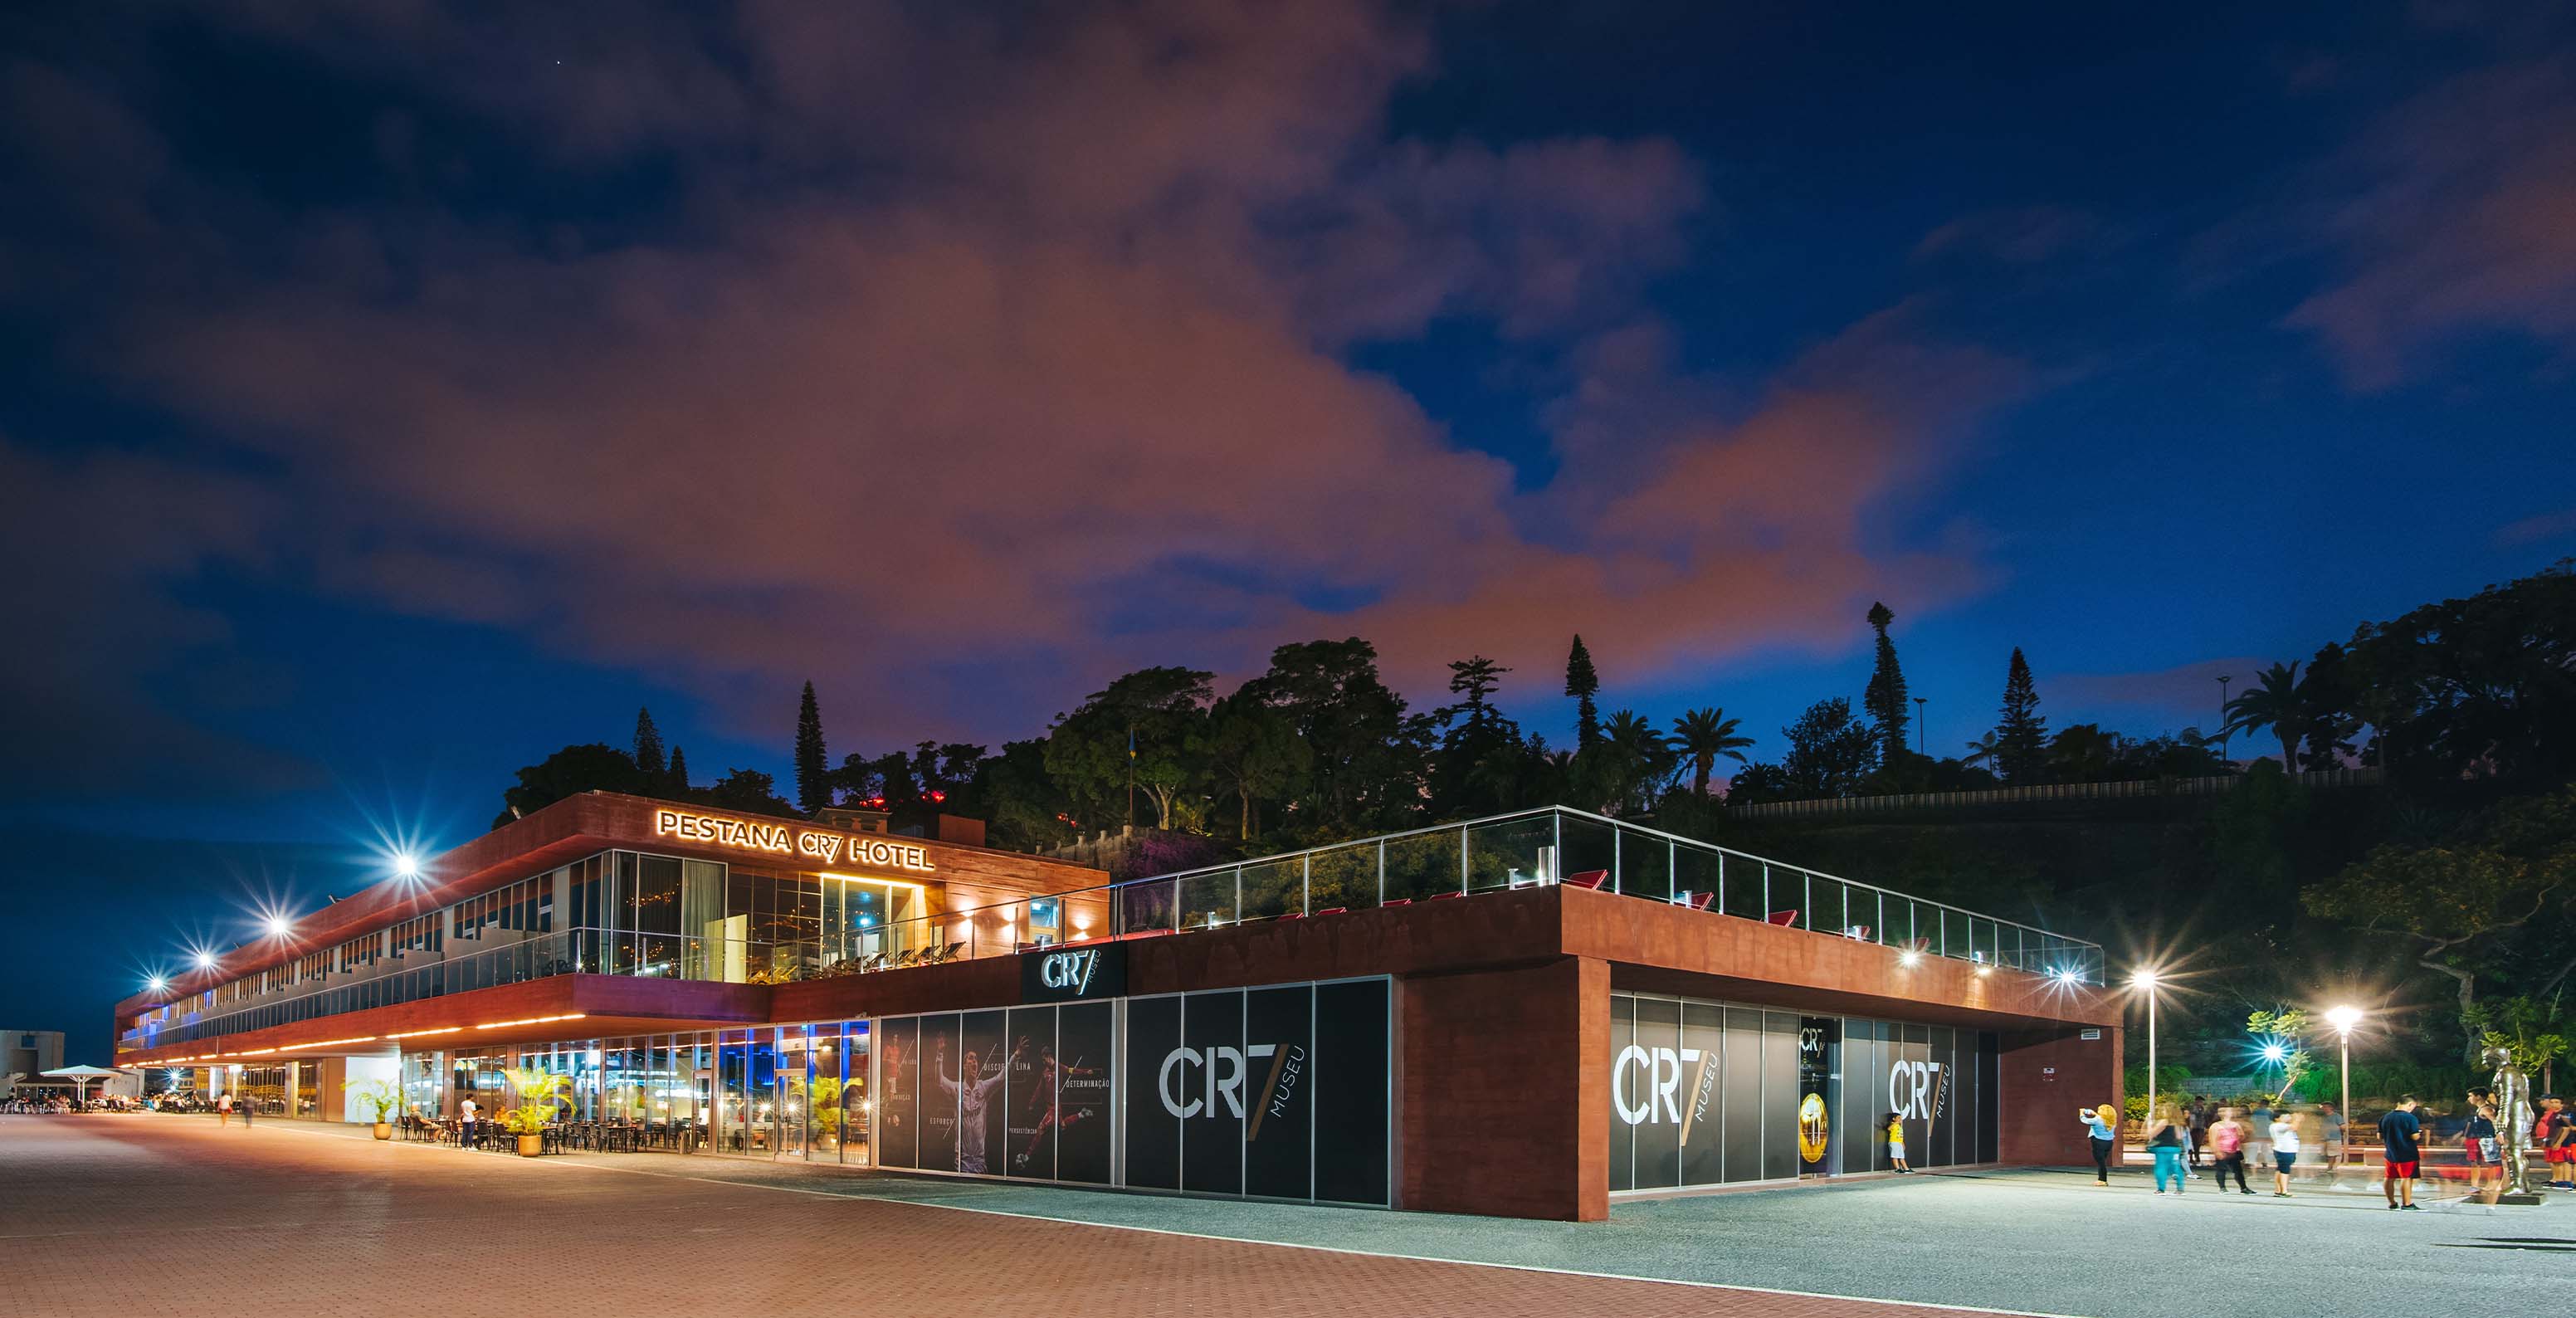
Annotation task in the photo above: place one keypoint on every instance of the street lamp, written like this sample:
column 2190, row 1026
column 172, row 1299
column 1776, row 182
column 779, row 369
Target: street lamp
column 1918, row 723
column 406, row 866
column 2343, row 1018
column 2145, row 981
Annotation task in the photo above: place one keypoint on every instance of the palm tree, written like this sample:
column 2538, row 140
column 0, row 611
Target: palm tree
column 2272, row 702
column 1701, row 735
column 1639, row 757
column 2084, row 753
column 1986, row 750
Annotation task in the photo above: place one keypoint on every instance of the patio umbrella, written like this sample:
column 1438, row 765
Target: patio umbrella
column 80, row 1076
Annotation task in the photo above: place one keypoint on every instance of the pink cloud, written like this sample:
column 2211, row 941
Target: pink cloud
column 1075, row 330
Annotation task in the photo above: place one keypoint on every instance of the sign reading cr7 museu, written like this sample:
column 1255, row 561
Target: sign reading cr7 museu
column 1071, row 974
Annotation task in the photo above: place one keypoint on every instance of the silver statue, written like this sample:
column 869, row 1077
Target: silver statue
column 2513, row 1117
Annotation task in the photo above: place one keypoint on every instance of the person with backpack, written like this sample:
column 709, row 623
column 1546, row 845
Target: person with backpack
column 2227, row 1149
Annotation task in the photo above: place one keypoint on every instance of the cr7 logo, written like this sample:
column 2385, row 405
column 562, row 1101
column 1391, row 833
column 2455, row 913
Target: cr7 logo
column 1070, row 970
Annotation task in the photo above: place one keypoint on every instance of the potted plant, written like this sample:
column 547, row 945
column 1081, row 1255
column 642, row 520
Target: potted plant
column 541, row 1095
column 384, row 1096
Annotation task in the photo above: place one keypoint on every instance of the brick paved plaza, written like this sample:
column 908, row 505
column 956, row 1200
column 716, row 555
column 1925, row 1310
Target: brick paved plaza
column 138, row 1213
column 120, row 1215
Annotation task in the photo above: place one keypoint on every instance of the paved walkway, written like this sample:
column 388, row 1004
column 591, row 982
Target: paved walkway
column 126, row 1214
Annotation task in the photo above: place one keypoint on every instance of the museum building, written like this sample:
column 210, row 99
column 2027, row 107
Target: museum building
column 1527, row 1015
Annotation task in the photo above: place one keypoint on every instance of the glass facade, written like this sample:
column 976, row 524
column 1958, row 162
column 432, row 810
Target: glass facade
column 1706, row 1094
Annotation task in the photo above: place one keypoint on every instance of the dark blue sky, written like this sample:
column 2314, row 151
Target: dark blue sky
column 390, row 398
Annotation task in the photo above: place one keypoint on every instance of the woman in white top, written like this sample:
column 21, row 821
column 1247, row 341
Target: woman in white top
column 2285, row 1154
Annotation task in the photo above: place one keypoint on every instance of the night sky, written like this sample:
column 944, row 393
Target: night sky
column 393, row 393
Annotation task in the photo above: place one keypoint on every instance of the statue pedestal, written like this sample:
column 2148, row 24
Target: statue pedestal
column 2524, row 1200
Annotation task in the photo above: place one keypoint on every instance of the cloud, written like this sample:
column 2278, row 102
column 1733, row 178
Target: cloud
column 2456, row 214
column 2538, row 529
column 945, row 346
column 95, row 545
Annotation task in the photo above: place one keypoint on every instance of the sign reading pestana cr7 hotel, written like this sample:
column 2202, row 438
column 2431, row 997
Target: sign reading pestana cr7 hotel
column 780, row 839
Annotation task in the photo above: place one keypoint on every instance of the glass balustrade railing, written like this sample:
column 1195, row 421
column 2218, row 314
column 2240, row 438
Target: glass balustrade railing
column 1522, row 850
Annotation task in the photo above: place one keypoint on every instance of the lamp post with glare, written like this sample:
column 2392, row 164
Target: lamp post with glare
column 2343, row 1019
column 2146, row 980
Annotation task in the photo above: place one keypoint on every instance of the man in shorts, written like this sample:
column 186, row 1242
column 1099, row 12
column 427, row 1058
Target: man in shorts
column 2555, row 1133
column 2399, row 1133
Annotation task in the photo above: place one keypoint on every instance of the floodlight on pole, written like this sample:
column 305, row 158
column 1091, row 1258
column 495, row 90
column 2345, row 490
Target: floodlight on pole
column 406, row 865
column 2343, row 1018
column 2145, row 981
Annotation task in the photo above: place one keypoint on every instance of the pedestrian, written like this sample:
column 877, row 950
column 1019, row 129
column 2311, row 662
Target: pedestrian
column 2331, row 1137
column 2482, row 1150
column 2227, row 1149
column 2195, row 1133
column 2555, row 1133
column 1896, row 1142
column 2399, row 1132
column 2105, row 1135
column 465, row 1110
column 2258, row 1132
column 248, row 1107
column 2285, row 1154
column 224, row 1108
column 2166, row 1140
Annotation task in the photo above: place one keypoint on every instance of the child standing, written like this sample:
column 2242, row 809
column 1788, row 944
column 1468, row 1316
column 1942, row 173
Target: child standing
column 1896, row 1142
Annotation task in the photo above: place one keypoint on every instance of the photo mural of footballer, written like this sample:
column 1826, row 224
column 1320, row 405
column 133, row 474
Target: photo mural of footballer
column 1047, row 1103
column 973, row 1088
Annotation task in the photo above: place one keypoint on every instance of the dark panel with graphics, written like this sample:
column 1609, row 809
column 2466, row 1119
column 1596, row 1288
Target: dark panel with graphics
column 1820, row 1047
column 1659, row 1078
column 1279, row 1110
column 1153, row 1131
column 939, row 1057
column 1353, row 1109
column 1204, row 1083
column 1703, row 1103
column 899, row 1097
column 1743, row 1089
column 1779, row 1096
column 984, row 1062
column 1084, row 1103
column 1864, row 1098
column 1942, row 1110
column 1029, row 1098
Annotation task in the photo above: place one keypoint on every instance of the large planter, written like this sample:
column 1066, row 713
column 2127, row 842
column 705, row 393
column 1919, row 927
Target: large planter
column 531, row 1146
column 384, row 1130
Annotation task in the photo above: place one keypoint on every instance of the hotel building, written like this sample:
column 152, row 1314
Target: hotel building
column 1527, row 1015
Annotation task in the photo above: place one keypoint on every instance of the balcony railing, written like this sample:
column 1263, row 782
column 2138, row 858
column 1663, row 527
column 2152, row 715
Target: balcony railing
column 1531, row 848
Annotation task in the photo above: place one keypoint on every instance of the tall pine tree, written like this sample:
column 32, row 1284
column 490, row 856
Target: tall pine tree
column 813, row 772
column 679, row 779
column 2021, row 735
column 648, row 744
column 1581, row 682
column 1884, row 699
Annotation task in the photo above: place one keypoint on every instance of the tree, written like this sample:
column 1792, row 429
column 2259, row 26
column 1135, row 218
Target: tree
column 813, row 771
column 1253, row 752
column 1582, row 683
column 595, row 767
column 648, row 744
column 1757, row 783
column 2272, row 702
column 1477, row 679
column 2021, row 735
column 1636, row 759
column 2457, row 899
column 1829, row 751
column 1884, row 698
column 678, row 777
column 2326, row 701
column 1701, row 735
column 2483, row 687
column 1986, row 751
column 1473, row 735
column 2084, row 753
column 1022, row 803
column 1140, row 728
column 1369, row 758
column 751, row 792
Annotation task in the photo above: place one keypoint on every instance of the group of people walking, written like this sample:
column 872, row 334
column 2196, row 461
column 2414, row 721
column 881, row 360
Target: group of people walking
column 2183, row 1139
